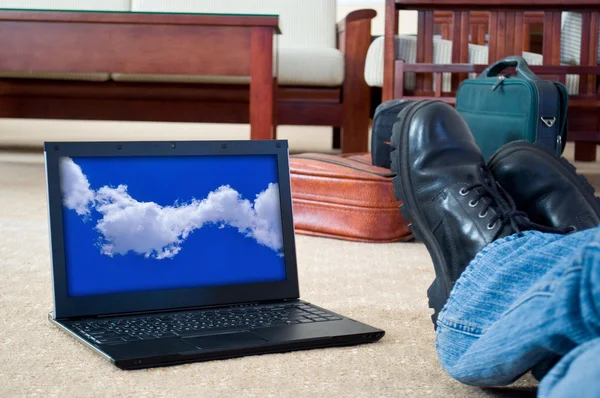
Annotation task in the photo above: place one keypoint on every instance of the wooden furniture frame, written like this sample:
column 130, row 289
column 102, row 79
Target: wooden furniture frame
column 174, row 44
column 506, row 31
column 479, row 25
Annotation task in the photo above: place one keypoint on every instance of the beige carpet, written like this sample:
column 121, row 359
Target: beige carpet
column 383, row 285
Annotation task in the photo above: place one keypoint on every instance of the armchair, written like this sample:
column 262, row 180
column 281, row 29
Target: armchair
column 506, row 31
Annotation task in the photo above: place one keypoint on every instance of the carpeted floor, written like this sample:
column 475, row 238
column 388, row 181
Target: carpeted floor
column 383, row 285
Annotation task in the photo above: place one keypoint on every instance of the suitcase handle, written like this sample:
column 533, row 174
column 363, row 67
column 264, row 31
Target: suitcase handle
column 519, row 62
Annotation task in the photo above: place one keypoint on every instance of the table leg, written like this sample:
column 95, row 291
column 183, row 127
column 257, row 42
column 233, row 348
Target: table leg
column 261, row 84
column 275, row 110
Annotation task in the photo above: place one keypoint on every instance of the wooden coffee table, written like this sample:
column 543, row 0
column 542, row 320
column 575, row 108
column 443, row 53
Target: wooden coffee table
column 152, row 43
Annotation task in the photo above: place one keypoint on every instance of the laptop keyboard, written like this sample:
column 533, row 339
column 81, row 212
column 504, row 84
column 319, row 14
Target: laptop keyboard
column 191, row 323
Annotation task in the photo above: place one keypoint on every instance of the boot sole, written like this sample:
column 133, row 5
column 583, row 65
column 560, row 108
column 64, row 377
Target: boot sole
column 584, row 187
column 439, row 290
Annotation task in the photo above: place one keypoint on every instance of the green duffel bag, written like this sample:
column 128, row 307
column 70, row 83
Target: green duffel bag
column 503, row 108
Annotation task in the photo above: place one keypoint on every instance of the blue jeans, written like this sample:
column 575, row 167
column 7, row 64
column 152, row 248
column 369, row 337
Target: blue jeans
column 529, row 302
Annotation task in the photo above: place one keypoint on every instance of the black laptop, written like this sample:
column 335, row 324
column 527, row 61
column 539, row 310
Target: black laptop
column 172, row 252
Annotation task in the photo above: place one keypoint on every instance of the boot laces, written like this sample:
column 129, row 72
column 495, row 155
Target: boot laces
column 503, row 206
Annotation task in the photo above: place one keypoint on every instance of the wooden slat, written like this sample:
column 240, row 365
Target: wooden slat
column 261, row 84
column 446, row 32
column 427, row 79
column 589, row 50
column 586, row 150
column 420, row 47
column 429, row 36
column 469, row 68
column 464, row 45
column 552, row 26
column 500, row 47
column 557, row 36
column 424, row 48
column 594, row 38
column 478, row 37
column 509, row 37
column 438, row 84
column 547, row 49
column 493, row 42
column 438, row 68
column 399, row 72
column 389, row 55
column 157, row 91
column 460, row 43
column 356, row 93
column 519, row 37
column 457, row 36
column 136, row 18
column 218, row 103
column 526, row 37
column 464, row 37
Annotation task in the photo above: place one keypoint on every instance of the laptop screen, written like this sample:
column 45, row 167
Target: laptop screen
column 135, row 224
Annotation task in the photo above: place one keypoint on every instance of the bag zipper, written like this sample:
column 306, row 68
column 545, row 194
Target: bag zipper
column 501, row 79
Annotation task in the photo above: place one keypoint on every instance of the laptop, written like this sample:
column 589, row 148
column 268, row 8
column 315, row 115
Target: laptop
column 166, row 253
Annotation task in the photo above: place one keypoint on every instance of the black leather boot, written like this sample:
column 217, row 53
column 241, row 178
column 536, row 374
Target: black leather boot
column 545, row 186
column 450, row 197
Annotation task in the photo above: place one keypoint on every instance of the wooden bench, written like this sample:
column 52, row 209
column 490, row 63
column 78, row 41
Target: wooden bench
column 344, row 106
column 506, row 21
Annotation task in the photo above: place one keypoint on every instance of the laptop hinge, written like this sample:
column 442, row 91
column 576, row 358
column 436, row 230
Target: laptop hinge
column 180, row 309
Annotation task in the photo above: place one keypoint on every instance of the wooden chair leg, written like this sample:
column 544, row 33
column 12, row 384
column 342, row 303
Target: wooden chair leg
column 275, row 107
column 585, row 151
column 356, row 93
column 355, row 131
column 337, row 137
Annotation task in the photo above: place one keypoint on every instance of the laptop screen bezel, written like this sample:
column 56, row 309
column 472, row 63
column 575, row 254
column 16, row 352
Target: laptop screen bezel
column 66, row 306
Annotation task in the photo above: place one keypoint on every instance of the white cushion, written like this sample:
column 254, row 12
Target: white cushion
column 479, row 55
column 570, row 40
column 81, row 5
column 311, row 67
column 304, row 23
column 406, row 49
column 297, row 67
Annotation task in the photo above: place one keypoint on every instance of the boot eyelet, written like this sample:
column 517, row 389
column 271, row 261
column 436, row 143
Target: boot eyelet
column 473, row 203
column 492, row 226
column 463, row 192
column 482, row 215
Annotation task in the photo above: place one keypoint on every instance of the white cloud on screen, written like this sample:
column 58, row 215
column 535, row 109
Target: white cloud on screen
column 155, row 231
column 76, row 191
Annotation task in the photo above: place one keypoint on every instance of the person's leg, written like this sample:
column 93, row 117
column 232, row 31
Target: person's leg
column 516, row 307
column 523, row 301
column 576, row 375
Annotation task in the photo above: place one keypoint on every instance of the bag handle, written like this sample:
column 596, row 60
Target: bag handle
column 514, row 60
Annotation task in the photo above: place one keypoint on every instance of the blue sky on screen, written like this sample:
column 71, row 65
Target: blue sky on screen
column 148, row 223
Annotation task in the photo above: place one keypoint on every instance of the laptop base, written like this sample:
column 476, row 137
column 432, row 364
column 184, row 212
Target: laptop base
column 219, row 344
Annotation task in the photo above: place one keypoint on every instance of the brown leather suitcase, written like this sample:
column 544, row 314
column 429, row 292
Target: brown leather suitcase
column 345, row 197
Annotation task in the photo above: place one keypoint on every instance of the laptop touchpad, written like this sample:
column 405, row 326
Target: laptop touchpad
column 225, row 340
